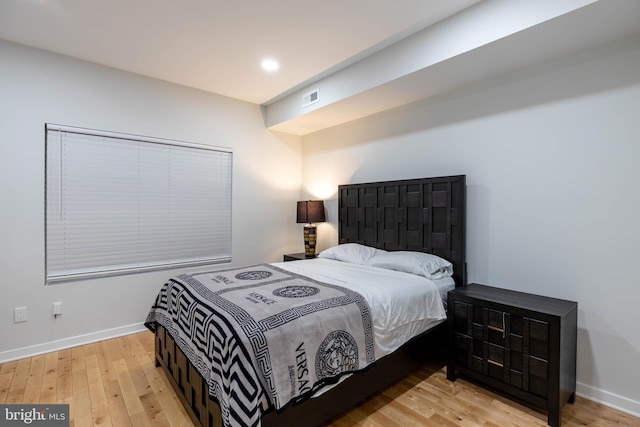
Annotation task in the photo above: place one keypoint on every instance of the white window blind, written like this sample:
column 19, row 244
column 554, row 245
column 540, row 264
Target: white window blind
column 120, row 203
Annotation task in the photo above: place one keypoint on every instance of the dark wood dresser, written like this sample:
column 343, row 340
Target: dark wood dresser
column 520, row 344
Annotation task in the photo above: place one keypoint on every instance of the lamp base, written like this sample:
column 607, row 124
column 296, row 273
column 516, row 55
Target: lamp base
column 310, row 241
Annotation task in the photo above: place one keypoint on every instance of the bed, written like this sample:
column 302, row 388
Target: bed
column 425, row 216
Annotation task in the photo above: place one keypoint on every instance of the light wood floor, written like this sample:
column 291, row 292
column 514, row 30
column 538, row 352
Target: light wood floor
column 115, row 383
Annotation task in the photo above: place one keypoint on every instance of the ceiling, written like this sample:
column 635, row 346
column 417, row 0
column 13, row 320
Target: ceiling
column 218, row 45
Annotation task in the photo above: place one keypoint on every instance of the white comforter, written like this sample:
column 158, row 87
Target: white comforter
column 402, row 305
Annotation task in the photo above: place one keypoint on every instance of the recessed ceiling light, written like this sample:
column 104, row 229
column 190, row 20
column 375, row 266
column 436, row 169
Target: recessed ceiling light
column 270, row 65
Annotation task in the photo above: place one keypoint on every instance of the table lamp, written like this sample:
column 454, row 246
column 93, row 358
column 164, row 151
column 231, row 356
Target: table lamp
column 310, row 211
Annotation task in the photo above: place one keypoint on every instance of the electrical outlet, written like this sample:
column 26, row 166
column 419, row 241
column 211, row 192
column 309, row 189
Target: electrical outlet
column 57, row 308
column 19, row 314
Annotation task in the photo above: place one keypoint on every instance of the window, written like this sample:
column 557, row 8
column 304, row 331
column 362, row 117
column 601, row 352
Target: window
column 119, row 203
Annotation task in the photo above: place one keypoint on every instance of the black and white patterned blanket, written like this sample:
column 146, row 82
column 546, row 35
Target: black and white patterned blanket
column 264, row 337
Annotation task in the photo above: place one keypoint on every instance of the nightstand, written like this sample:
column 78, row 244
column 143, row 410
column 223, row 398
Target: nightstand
column 521, row 344
column 295, row 257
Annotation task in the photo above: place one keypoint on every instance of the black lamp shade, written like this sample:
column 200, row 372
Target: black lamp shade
column 310, row 211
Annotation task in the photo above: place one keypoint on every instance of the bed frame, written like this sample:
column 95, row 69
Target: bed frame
column 425, row 215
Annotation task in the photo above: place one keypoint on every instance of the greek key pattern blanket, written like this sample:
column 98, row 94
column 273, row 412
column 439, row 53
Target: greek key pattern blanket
column 264, row 337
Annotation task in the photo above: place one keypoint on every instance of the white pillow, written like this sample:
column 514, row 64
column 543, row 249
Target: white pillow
column 351, row 252
column 420, row 263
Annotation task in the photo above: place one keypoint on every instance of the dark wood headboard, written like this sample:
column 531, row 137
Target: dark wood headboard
column 424, row 215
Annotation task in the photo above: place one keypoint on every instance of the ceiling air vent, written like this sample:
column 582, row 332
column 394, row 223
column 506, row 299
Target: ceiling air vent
column 310, row 98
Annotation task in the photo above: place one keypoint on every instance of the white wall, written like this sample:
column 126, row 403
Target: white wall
column 551, row 157
column 38, row 87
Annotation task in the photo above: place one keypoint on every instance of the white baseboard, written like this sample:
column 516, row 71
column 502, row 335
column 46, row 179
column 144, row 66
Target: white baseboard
column 47, row 347
column 612, row 400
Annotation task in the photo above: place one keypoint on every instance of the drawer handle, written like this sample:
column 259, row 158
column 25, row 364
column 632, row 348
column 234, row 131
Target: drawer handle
column 493, row 362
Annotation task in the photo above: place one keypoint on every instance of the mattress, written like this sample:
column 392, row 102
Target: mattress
column 402, row 305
